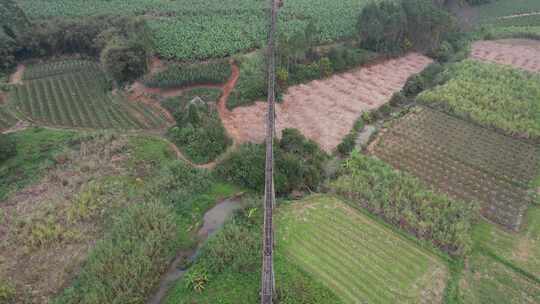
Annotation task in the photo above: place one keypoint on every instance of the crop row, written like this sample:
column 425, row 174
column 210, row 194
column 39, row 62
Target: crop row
column 502, row 201
column 79, row 100
column 180, row 75
column 57, row 68
column 496, row 154
column 491, row 95
column 193, row 29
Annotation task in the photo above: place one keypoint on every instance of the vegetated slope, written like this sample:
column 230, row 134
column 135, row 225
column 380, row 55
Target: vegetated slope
column 325, row 110
column 12, row 20
column 523, row 54
column 465, row 161
column 7, row 119
column 491, row 95
column 358, row 258
column 191, row 29
column 75, row 94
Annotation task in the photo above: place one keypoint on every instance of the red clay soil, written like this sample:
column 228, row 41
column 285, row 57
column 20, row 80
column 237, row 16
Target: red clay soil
column 324, row 110
column 520, row 53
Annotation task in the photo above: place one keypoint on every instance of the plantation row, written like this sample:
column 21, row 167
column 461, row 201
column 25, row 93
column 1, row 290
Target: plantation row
column 196, row 74
column 436, row 164
column 491, row 95
column 58, row 67
column 502, row 156
column 80, row 100
column 359, row 259
column 191, row 29
column 7, row 119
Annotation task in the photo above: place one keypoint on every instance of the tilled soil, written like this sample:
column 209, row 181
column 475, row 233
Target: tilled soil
column 325, row 110
column 520, row 53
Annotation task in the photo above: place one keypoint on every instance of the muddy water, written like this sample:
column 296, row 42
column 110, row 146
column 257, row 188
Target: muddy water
column 214, row 219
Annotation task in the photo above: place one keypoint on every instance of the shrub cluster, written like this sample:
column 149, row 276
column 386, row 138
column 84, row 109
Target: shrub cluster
column 8, row 147
column 402, row 200
column 251, row 85
column 349, row 142
column 299, row 164
column 185, row 75
column 199, row 132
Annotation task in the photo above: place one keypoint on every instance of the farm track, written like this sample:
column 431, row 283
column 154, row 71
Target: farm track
column 464, row 161
column 519, row 53
column 325, row 110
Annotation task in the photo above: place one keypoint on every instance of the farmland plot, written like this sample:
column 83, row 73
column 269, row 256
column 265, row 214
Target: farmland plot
column 519, row 53
column 7, row 119
column 325, row 110
column 356, row 257
column 74, row 94
column 465, row 161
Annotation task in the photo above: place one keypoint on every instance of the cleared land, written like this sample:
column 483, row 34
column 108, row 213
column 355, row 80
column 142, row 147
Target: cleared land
column 519, row 53
column 74, row 94
column 356, row 257
column 325, row 110
column 465, row 161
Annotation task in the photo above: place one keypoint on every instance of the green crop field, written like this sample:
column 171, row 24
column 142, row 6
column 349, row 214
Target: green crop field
column 76, row 94
column 356, row 257
column 192, row 29
column 465, row 161
column 491, row 95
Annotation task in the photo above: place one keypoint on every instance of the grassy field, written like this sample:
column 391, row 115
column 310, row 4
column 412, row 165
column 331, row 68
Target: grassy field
column 191, row 29
column 465, row 161
column 356, row 257
column 76, row 94
column 36, row 152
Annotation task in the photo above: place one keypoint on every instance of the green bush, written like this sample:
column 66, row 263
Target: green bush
column 124, row 61
column 199, row 132
column 349, row 142
column 8, row 147
column 299, row 164
column 403, row 201
column 347, row 57
column 125, row 266
column 428, row 78
column 186, row 75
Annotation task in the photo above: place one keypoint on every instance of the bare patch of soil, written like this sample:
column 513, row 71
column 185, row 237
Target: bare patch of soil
column 44, row 237
column 16, row 78
column 325, row 110
column 520, row 53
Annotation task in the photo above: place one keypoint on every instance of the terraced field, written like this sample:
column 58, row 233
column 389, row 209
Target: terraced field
column 356, row 257
column 75, row 94
column 465, row 161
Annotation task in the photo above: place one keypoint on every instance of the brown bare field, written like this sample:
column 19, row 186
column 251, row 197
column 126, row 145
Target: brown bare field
column 520, row 53
column 325, row 110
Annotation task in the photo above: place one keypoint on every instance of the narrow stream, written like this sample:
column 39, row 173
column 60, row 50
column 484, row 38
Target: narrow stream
column 214, row 219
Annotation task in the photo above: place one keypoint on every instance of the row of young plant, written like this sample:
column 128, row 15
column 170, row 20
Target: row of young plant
column 186, row 75
column 77, row 100
column 59, row 67
column 501, row 201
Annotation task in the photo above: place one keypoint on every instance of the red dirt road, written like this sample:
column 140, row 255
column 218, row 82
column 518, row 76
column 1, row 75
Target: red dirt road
column 520, row 53
column 324, row 110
